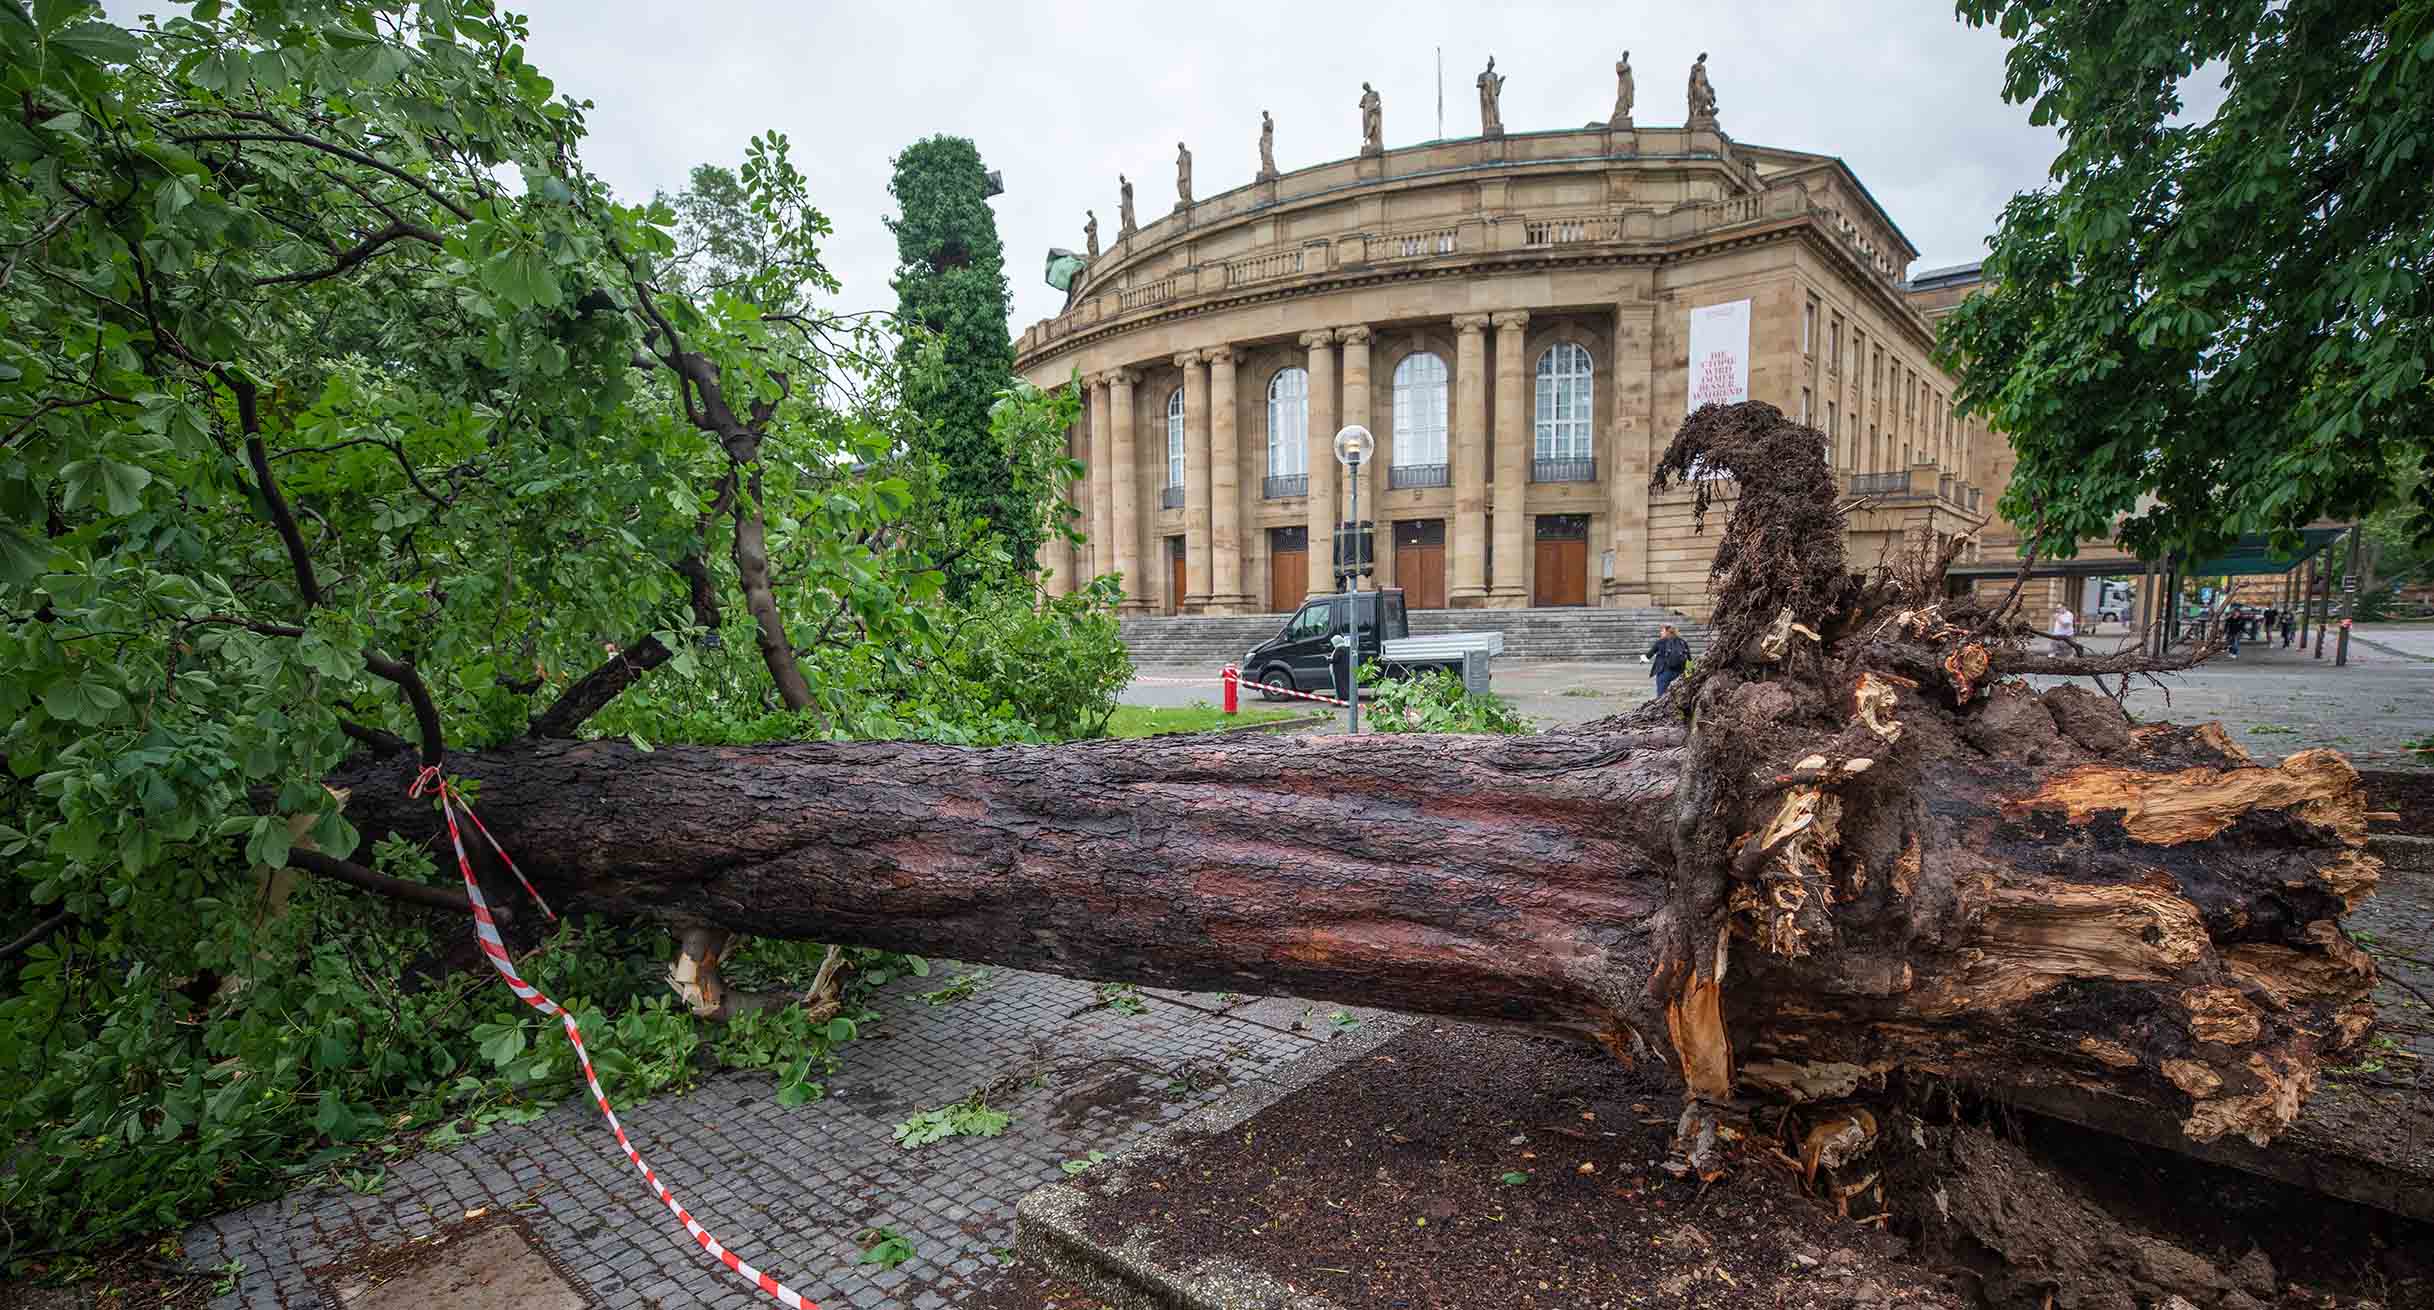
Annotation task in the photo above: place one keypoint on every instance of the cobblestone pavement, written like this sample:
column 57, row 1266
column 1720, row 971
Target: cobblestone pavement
column 791, row 1188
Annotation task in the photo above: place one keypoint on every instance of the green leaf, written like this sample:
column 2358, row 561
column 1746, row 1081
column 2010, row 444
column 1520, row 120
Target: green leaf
column 1515, row 1179
column 503, row 1043
column 123, row 486
column 270, row 844
column 119, row 487
column 172, row 196
column 23, row 557
column 82, row 702
column 334, row 836
column 100, row 42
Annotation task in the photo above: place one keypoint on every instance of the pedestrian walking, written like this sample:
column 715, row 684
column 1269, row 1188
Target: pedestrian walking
column 2066, row 626
column 2289, row 626
column 1667, row 656
column 2233, row 624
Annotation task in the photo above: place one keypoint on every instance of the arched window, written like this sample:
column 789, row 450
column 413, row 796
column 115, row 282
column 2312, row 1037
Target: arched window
column 1289, row 424
column 1419, row 419
column 1566, row 402
column 1174, row 437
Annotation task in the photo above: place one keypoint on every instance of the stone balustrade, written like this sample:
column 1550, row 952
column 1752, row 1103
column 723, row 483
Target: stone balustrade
column 1147, row 281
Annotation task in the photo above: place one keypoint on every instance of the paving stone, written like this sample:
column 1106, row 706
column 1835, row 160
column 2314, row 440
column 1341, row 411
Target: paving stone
column 795, row 1190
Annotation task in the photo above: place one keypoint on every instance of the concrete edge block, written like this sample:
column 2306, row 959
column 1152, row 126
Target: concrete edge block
column 1053, row 1223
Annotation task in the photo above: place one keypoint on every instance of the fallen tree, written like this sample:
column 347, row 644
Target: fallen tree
column 1847, row 846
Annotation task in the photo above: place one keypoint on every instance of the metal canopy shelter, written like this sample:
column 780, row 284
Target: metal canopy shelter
column 2252, row 555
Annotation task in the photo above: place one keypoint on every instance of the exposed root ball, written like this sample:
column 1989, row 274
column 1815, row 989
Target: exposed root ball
column 1781, row 558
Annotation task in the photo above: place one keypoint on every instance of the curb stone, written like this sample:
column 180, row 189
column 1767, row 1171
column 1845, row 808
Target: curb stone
column 2374, row 645
column 1053, row 1223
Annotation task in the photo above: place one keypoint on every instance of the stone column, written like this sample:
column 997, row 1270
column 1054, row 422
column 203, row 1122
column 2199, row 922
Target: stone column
column 1225, row 488
column 1468, row 588
column 1196, row 485
column 1513, row 445
column 1630, row 445
column 1325, row 507
column 1124, row 467
column 1101, row 518
column 1356, row 410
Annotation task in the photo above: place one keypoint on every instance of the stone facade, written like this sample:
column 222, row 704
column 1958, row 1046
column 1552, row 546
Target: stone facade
column 1488, row 254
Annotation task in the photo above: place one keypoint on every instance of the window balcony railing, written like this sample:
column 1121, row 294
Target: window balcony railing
column 1417, row 245
column 1571, row 230
column 1879, row 484
column 1171, row 497
column 1278, row 485
column 1259, row 268
column 1148, row 294
column 1582, row 469
column 1399, row 476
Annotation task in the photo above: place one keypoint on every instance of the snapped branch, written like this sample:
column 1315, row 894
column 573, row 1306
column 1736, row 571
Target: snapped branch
column 379, row 884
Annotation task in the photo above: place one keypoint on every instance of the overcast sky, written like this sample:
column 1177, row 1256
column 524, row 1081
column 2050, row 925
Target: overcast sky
column 1062, row 97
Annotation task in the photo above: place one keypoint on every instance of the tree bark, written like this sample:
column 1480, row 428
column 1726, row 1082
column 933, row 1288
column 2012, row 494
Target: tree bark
column 2147, row 917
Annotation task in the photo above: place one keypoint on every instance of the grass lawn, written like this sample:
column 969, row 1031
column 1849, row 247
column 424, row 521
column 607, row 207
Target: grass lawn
column 1144, row 721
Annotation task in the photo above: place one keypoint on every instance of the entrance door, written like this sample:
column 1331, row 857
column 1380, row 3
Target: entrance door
column 1419, row 562
column 1174, row 575
column 1563, row 560
column 1288, row 567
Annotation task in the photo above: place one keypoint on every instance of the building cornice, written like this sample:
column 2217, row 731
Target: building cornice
column 1806, row 227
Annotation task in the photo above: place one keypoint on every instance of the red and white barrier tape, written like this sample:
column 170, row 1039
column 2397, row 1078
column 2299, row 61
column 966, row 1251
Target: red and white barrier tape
column 487, row 931
column 1248, row 685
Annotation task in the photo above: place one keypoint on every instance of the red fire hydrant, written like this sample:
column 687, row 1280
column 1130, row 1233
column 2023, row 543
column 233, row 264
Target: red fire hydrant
column 1230, row 679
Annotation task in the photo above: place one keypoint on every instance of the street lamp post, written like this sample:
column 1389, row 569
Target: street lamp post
column 1352, row 447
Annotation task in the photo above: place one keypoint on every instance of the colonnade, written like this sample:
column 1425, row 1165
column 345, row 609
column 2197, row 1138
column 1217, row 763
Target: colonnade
column 1220, row 503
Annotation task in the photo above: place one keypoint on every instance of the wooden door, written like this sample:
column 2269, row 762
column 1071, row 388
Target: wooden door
column 1563, row 573
column 1562, row 563
column 1288, row 579
column 1419, row 562
column 1174, row 575
column 1288, row 568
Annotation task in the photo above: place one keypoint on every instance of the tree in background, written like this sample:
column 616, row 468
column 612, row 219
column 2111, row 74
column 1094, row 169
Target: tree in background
column 951, row 305
column 725, row 240
column 2234, row 315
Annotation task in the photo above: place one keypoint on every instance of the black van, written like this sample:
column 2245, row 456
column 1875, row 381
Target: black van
column 1303, row 655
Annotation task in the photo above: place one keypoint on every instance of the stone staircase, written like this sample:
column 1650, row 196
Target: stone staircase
column 1576, row 635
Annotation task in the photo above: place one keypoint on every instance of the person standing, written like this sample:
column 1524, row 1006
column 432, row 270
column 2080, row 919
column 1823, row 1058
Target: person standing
column 1667, row 656
column 2290, row 625
column 2066, row 626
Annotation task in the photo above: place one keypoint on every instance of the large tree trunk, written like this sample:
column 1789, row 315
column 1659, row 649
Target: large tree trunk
column 2151, row 920
column 1845, row 847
